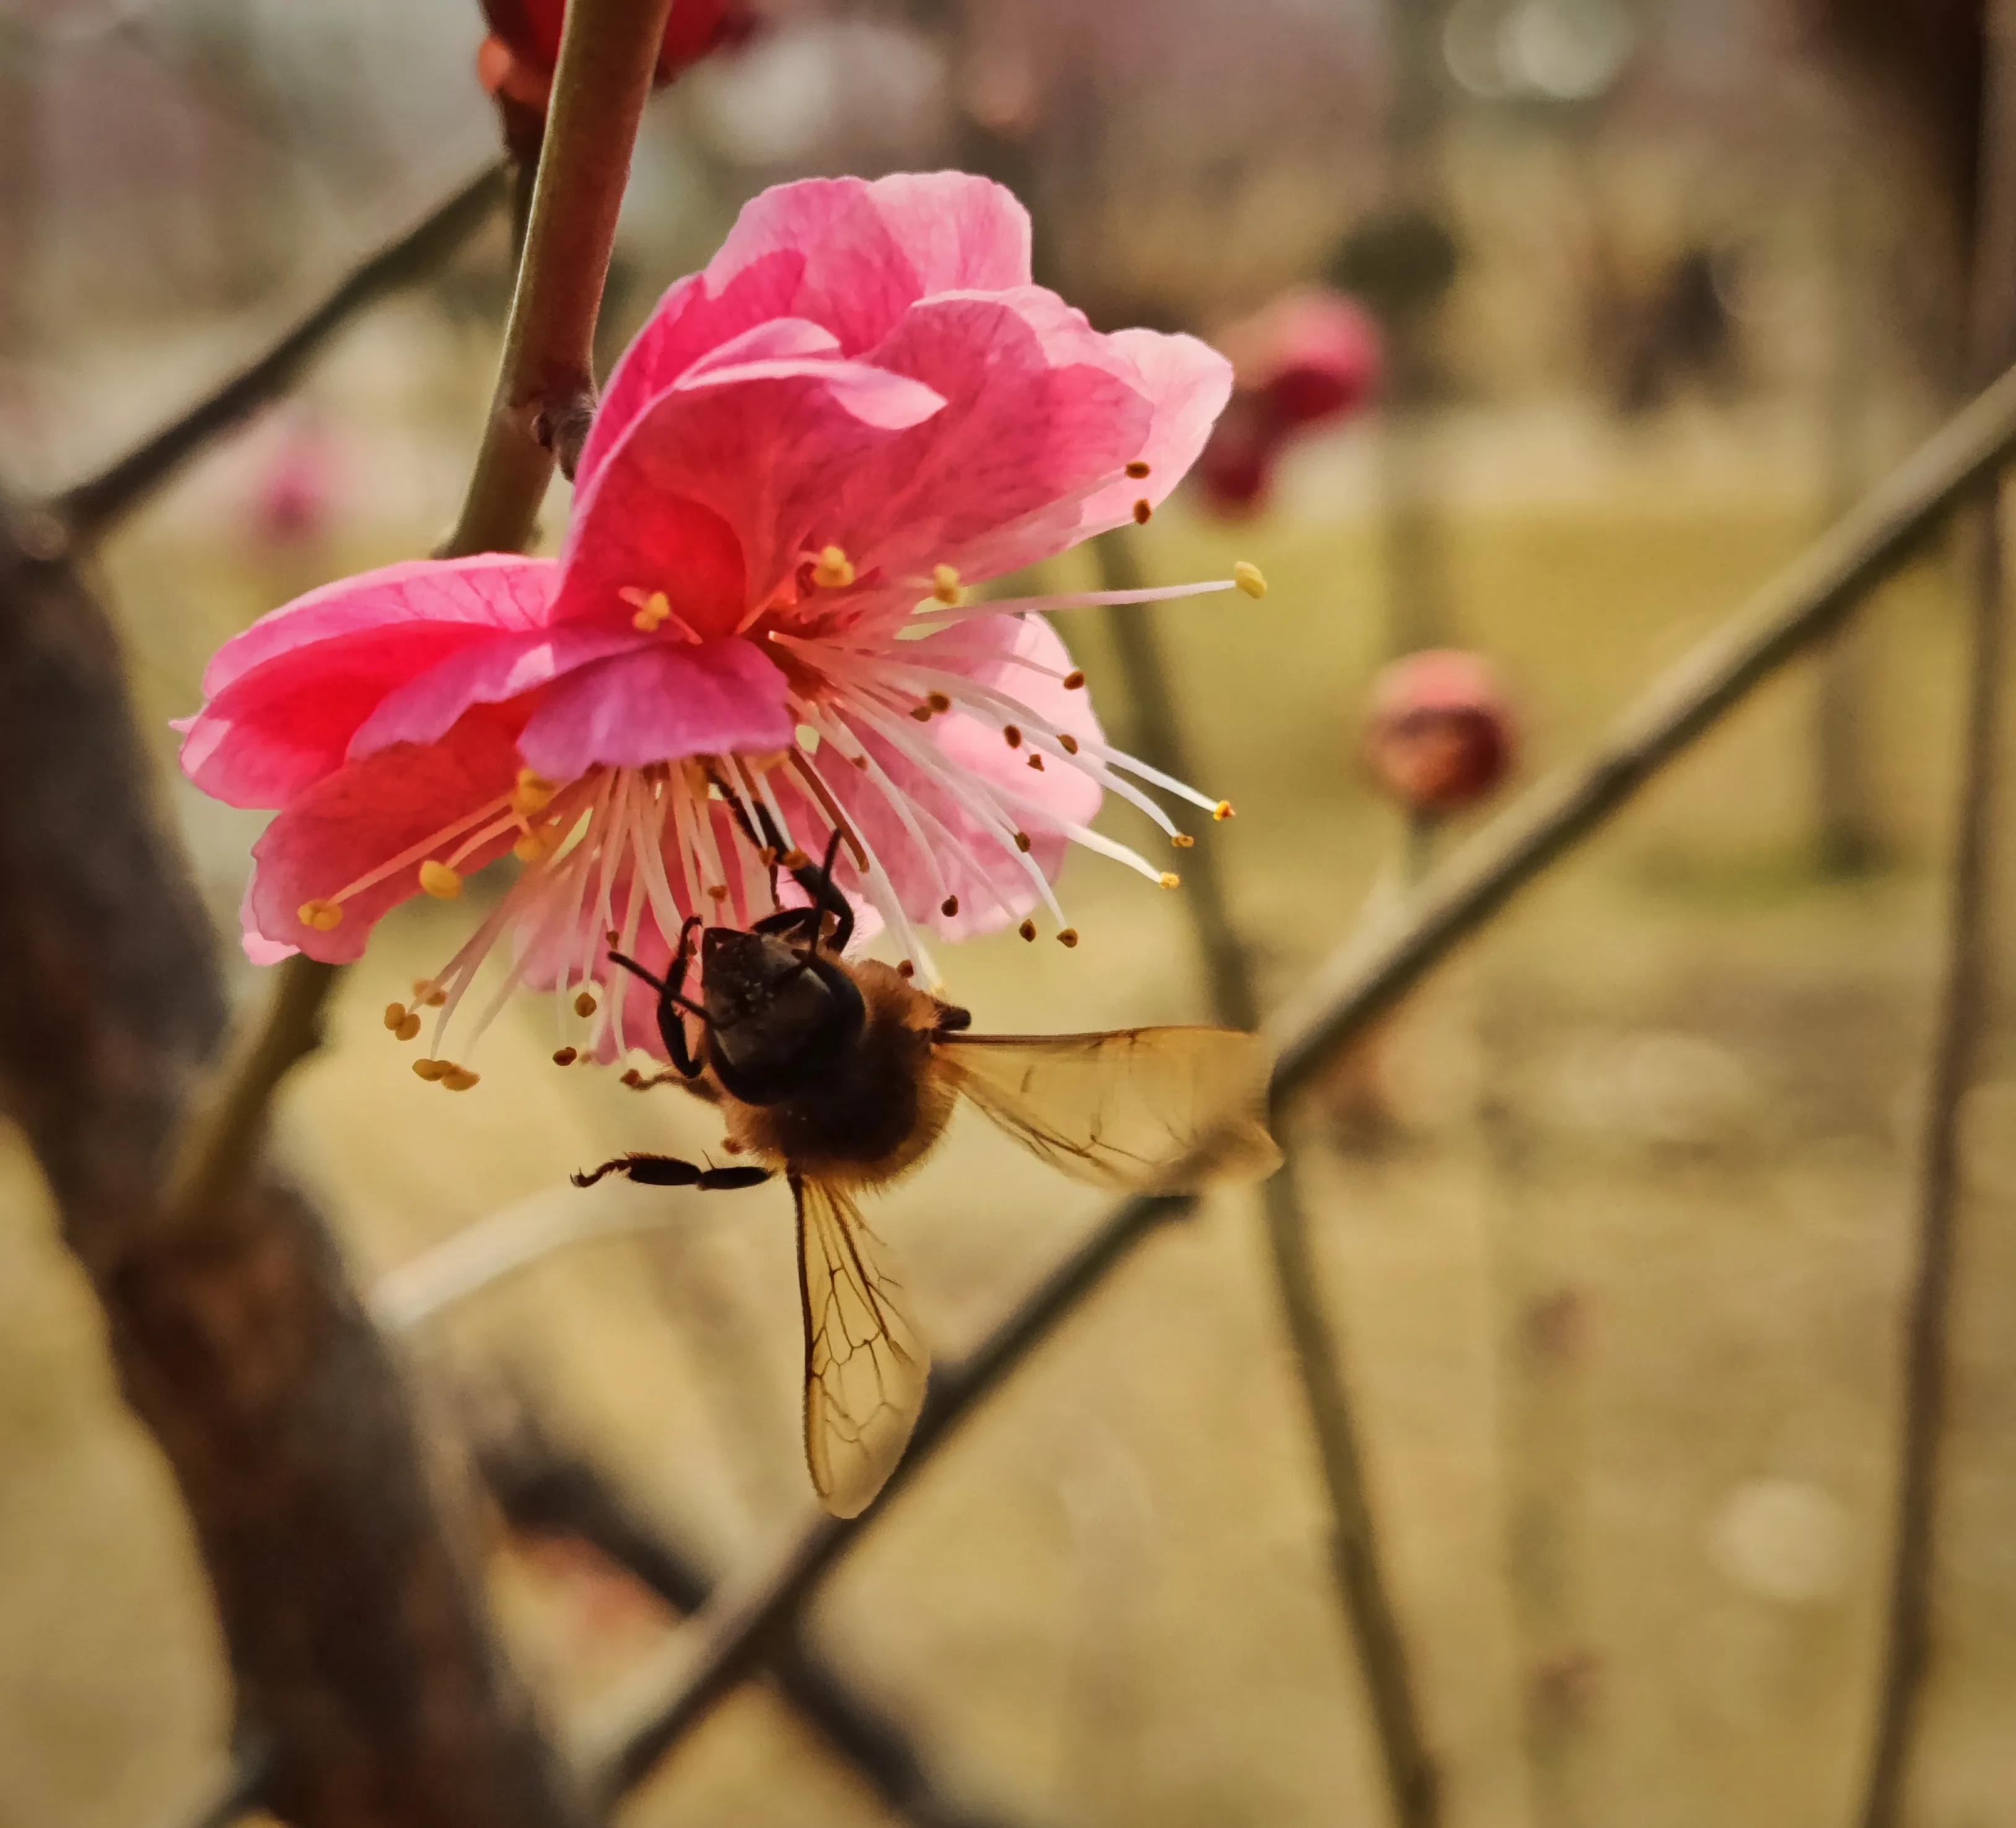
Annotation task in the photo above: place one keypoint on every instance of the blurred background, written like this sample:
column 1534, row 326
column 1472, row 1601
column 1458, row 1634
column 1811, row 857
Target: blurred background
column 1561, row 323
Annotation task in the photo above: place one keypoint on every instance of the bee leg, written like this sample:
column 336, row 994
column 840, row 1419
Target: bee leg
column 723, row 1180
column 653, row 1171
column 817, row 883
column 671, row 1026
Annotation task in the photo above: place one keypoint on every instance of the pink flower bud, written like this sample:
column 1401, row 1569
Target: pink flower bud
column 529, row 31
column 1236, row 470
column 1441, row 734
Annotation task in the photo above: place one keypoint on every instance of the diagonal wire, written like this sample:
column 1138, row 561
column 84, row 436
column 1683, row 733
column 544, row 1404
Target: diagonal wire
column 1359, row 983
column 1371, row 1620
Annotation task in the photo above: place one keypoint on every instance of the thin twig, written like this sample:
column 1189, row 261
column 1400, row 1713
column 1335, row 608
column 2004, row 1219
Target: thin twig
column 1371, row 1622
column 545, row 383
column 543, row 1489
column 1964, row 996
column 90, row 508
column 1366, row 977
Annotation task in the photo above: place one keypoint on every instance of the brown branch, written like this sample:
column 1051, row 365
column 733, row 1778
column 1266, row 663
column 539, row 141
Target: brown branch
column 1964, row 994
column 1361, row 981
column 90, row 508
column 1371, row 1621
column 354, row 1621
column 544, row 1489
column 546, row 385
column 235, row 1336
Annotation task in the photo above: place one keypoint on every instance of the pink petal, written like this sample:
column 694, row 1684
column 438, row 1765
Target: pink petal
column 364, row 815
column 659, row 704
column 713, row 493
column 847, row 256
column 1020, row 431
column 497, row 590
column 287, row 696
column 1188, row 382
column 505, row 667
column 272, row 732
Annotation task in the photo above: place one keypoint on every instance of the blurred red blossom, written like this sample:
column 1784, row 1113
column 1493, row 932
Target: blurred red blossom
column 516, row 62
column 1310, row 358
column 1441, row 735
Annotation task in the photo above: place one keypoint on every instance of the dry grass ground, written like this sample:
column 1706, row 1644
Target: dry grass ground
column 1619, row 1286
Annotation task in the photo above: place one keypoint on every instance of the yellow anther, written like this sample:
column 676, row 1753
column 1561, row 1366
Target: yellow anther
column 534, row 792
column 425, row 991
column 1069, row 744
column 717, row 891
column 322, row 916
column 439, row 881
column 653, row 612
column 832, row 570
column 584, row 1004
column 1223, row 811
column 1248, row 577
column 1182, row 840
column 534, row 846
column 459, row 1079
column 566, row 1057
column 945, row 586
column 1073, row 681
column 395, row 1013
column 427, row 1069
column 1137, row 468
column 1027, row 929
column 949, row 906
column 1143, row 511
column 1067, row 935
column 1171, row 880
column 410, row 1029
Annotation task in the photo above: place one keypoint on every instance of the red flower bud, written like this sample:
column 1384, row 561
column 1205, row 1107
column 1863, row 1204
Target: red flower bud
column 1310, row 356
column 1236, row 468
column 1441, row 734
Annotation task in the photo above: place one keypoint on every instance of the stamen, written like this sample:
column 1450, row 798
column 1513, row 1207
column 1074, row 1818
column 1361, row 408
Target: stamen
column 945, row 586
column 905, row 969
column 1073, row 681
column 1248, row 577
column 535, row 846
column 395, row 1013
column 439, row 881
column 1022, row 841
column 1182, row 840
column 459, row 1079
column 921, row 712
column 584, row 1004
column 428, row 992
column 1137, row 468
column 1027, row 929
column 408, row 1030
column 949, row 906
column 533, row 794
column 652, row 613
column 833, row 571
column 1223, row 811
column 1067, row 742
column 938, row 702
column 1144, row 511
column 1011, row 734
column 1067, row 937
column 566, row 1057
column 1036, row 762
column 431, row 1068
column 1169, row 880
column 323, row 916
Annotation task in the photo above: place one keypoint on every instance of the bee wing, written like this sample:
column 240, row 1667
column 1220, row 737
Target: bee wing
column 1122, row 1110
column 865, row 1367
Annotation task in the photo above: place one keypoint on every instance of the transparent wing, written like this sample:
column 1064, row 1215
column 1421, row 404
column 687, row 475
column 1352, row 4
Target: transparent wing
column 1123, row 1110
column 865, row 1367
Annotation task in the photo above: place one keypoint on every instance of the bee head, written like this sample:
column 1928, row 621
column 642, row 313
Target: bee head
column 777, row 1015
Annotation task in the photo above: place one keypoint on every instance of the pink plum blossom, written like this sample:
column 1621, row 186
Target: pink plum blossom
column 860, row 407
column 1309, row 358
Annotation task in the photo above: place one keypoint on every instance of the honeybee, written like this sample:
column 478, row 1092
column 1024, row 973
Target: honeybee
column 842, row 1076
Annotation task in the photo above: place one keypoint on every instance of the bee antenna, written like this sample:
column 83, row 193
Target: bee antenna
column 631, row 965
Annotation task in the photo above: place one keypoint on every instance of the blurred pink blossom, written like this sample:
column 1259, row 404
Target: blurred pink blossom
column 861, row 405
column 1441, row 735
column 295, row 499
column 1310, row 358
